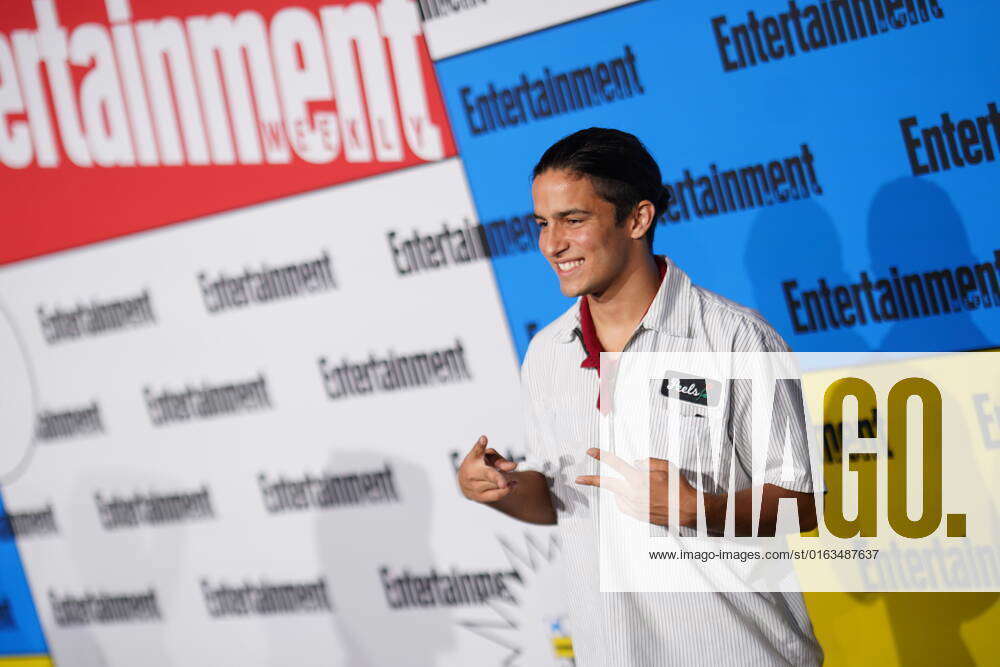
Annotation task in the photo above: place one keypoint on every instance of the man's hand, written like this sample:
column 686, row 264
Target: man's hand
column 646, row 482
column 649, row 481
column 484, row 475
column 487, row 477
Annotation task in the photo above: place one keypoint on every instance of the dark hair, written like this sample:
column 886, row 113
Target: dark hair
column 619, row 166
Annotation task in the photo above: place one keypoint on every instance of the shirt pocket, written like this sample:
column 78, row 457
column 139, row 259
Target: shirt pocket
column 695, row 428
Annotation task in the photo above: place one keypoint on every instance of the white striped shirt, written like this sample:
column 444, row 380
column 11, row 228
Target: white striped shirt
column 655, row 629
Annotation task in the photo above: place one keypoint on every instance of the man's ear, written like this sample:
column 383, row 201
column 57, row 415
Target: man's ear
column 642, row 219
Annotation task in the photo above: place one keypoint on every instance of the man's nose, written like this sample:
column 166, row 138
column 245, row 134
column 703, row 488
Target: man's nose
column 552, row 240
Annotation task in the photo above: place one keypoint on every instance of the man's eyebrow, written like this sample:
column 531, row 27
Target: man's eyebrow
column 566, row 213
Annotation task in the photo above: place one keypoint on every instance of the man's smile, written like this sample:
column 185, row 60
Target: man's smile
column 567, row 267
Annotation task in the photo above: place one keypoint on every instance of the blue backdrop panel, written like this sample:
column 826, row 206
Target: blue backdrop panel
column 833, row 118
column 20, row 632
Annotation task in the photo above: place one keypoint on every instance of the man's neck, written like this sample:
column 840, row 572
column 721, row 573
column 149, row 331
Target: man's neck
column 618, row 310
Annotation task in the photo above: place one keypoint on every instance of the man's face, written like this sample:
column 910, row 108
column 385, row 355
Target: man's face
column 578, row 234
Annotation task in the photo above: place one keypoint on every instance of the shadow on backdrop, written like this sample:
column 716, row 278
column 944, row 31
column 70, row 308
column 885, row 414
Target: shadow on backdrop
column 914, row 226
column 774, row 253
column 354, row 542
column 123, row 560
column 926, row 627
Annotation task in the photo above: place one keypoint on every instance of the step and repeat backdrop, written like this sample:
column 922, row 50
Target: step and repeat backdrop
column 269, row 267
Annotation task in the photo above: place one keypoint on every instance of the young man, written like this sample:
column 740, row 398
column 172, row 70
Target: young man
column 597, row 195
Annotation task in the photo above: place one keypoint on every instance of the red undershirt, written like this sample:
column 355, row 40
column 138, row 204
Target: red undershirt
column 591, row 343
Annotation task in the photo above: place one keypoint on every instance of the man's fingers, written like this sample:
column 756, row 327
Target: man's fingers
column 619, row 465
column 612, row 484
column 492, row 456
column 658, row 465
column 625, row 506
column 489, row 476
column 495, row 459
column 496, row 477
column 478, row 449
column 494, row 495
column 483, row 484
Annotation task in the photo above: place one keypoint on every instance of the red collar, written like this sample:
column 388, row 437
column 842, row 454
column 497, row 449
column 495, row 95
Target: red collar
column 588, row 332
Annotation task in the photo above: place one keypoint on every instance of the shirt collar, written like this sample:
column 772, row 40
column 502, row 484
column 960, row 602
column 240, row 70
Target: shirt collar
column 668, row 313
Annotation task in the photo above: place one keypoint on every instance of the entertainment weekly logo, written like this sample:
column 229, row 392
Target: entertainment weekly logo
column 297, row 97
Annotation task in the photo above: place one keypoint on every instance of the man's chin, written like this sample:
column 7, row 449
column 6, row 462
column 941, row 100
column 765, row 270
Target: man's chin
column 571, row 290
